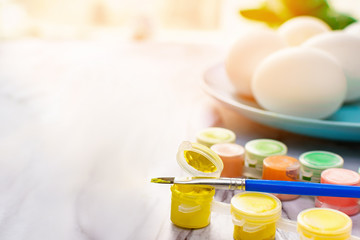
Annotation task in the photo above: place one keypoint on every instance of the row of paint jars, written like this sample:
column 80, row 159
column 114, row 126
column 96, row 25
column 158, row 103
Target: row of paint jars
column 249, row 161
column 258, row 215
column 267, row 159
column 255, row 215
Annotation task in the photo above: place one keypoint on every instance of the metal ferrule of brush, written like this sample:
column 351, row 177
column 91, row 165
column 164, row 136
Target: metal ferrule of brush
column 218, row 183
column 236, row 183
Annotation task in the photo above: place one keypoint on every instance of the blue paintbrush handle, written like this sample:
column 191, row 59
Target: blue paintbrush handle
column 302, row 188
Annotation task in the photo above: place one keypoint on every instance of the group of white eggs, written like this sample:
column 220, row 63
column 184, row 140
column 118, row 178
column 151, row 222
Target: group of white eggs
column 303, row 69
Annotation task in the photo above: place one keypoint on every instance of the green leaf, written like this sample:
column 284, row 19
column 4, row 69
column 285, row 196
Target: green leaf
column 336, row 20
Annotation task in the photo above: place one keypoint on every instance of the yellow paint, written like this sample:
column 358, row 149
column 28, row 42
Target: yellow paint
column 266, row 233
column 322, row 223
column 255, row 215
column 199, row 162
column 159, row 180
column 190, row 205
column 256, row 203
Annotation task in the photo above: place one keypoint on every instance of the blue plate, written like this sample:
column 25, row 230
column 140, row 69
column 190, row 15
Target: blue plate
column 343, row 125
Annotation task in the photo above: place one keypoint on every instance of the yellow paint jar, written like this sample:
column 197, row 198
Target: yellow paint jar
column 323, row 224
column 255, row 215
column 190, row 205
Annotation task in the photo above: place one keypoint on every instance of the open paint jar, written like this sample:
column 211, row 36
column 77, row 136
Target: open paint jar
column 213, row 135
column 282, row 168
column 255, row 153
column 255, row 215
column 340, row 176
column 191, row 204
column 232, row 155
column 323, row 224
column 314, row 162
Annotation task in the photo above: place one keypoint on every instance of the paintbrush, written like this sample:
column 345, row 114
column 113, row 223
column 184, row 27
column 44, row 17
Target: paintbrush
column 268, row 186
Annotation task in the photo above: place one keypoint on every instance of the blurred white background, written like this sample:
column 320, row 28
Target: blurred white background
column 88, row 115
column 137, row 19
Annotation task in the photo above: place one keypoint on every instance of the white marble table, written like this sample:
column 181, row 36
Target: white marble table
column 86, row 124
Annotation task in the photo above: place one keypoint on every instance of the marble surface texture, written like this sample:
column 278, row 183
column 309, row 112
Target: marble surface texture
column 85, row 125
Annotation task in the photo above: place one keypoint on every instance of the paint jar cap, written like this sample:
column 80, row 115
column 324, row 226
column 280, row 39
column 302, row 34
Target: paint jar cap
column 325, row 223
column 199, row 160
column 340, row 176
column 281, row 167
column 321, row 160
column 228, row 149
column 255, row 208
column 261, row 148
column 212, row 135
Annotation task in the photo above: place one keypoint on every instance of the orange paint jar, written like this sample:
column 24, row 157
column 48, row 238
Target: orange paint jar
column 284, row 168
column 340, row 176
column 232, row 155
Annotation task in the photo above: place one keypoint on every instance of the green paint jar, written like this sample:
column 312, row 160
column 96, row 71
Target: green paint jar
column 313, row 163
column 255, row 153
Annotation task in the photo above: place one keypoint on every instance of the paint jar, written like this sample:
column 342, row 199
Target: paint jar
column 255, row 215
column 281, row 167
column 212, row 135
column 340, row 176
column 323, row 224
column 314, row 162
column 191, row 204
column 232, row 155
column 255, row 153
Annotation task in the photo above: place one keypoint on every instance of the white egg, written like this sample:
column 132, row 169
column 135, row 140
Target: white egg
column 246, row 54
column 346, row 49
column 298, row 29
column 301, row 82
column 353, row 28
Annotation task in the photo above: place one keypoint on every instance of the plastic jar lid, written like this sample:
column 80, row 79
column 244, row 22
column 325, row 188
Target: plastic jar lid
column 321, row 160
column 325, row 223
column 199, row 160
column 255, row 207
column 212, row 135
column 281, row 167
column 340, row 176
column 261, row 148
column 228, row 149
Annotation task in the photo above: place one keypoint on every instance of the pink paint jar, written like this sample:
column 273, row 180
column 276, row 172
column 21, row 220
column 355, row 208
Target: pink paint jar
column 340, row 176
column 232, row 155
